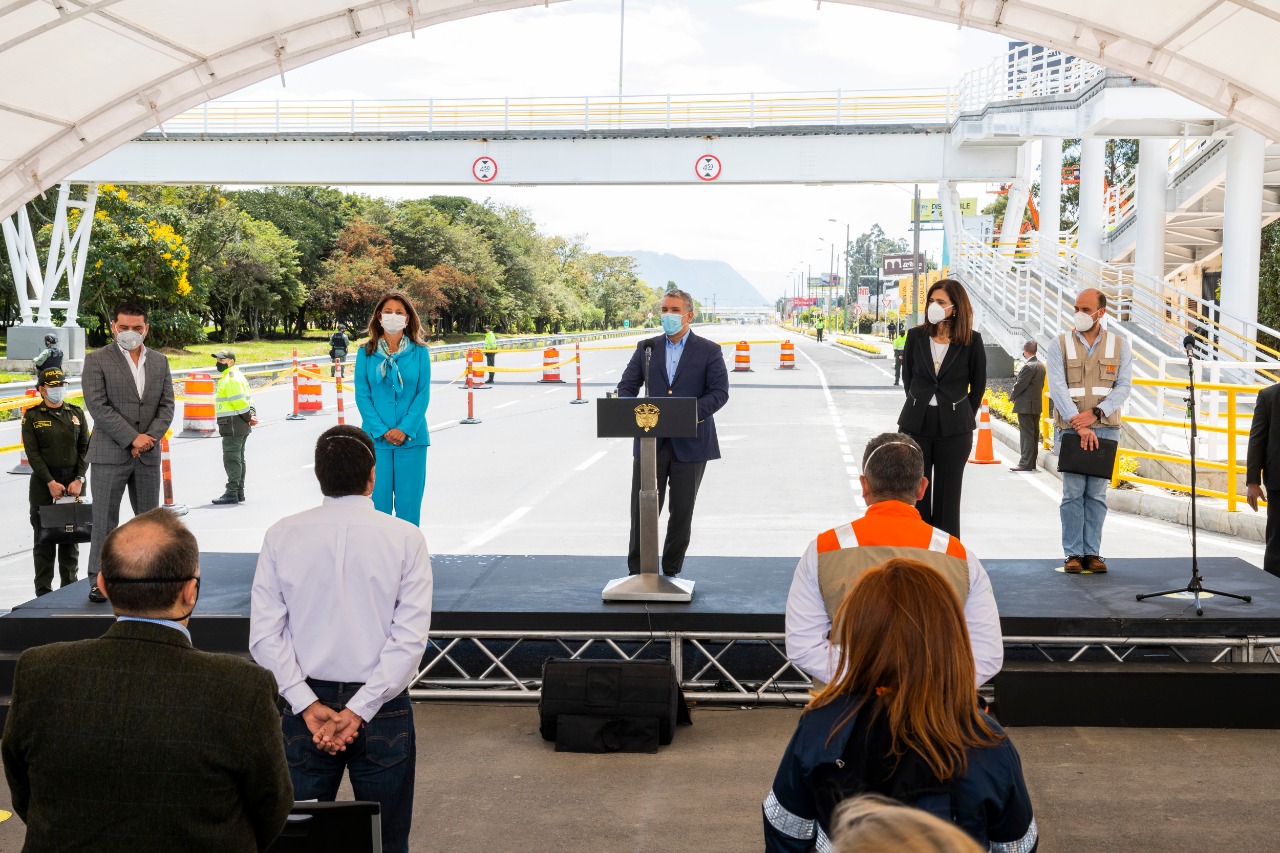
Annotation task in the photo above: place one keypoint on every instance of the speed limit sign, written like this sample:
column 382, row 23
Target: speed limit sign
column 484, row 169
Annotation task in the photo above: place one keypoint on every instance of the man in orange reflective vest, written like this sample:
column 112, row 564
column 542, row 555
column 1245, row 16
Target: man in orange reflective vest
column 892, row 481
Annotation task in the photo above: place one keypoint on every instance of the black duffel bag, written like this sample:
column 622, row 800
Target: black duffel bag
column 610, row 705
column 66, row 523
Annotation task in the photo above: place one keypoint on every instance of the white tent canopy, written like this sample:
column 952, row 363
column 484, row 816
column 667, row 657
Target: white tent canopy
column 79, row 77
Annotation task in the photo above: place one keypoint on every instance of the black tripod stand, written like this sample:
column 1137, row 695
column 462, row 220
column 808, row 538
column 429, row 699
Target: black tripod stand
column 1195, row 585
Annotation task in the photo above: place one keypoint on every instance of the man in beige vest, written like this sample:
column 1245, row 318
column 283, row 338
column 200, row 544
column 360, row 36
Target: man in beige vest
column 1090, row 378
column 892, row 481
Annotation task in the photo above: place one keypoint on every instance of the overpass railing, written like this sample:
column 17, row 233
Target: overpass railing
column 750, row 109
column 1026, row 71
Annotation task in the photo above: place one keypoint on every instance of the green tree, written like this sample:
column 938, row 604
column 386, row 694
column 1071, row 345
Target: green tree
column 357, row 274
column 255, row 276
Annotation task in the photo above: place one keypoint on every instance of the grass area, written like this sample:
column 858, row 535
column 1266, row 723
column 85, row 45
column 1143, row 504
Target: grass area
column 248, row 352
column 14, row 377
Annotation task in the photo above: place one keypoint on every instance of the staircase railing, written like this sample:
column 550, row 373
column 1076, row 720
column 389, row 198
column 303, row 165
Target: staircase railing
column 1026, row 71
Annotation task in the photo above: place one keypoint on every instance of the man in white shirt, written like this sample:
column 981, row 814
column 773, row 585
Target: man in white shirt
column 892, row 481
column 341, row 610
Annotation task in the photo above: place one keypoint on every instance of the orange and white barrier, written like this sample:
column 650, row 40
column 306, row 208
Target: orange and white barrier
column 742, row 358
column 295, row 415
column 551, row 365
column 166, row 471
column 985, row 454
column 24, row 465
column 199, row 418
column 471, row 403
column 577, row 367
column 787, row 358
column 337, row 374
column 475, row 357
column 310, row 399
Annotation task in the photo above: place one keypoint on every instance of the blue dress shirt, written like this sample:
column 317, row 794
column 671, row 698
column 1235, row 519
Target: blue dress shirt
column 674, row 351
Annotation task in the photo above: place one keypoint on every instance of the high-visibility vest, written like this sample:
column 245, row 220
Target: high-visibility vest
column 231, row 396
column 490, row 340
column 819, row 323
column 900, row 342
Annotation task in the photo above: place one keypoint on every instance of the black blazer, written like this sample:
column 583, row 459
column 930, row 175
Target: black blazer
column 959, row 384
column 1264, row 440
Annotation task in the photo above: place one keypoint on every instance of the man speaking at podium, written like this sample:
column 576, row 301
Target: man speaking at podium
column 677, row 364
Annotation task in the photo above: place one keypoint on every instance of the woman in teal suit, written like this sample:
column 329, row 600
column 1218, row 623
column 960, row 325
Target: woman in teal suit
column 393, row 387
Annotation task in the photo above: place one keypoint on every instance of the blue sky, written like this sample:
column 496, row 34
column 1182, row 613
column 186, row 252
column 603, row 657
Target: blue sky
column 708, row 46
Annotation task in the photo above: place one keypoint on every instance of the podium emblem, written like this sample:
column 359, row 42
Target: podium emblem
column 647, row 416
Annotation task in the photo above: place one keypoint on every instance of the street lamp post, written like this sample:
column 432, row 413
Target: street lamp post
column 848, row 272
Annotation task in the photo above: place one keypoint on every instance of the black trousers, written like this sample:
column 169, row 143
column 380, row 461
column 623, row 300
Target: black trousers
column 897, row 365
column 489, row 357
column 945, row 458
column 682, row 479
column 1028, row 439
column 1271, row 558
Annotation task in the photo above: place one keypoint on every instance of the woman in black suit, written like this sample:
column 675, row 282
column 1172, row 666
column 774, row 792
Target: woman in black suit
column 945, row 375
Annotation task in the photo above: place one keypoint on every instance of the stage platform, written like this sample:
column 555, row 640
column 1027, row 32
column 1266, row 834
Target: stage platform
column 496, row 618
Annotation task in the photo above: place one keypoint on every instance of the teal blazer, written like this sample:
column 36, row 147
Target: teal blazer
column 381, row 409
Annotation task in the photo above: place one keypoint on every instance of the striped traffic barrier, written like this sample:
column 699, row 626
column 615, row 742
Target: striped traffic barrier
column 295, row 415
column 787, row 358
column 577, row 367
column 550, row 365
column 310, row 389
column 166, row 472
column 199, row 419
column 337, row 374
column 985, row 454
column 24, row 465
column 742, row 358
column 475, row 358
column 471, row 403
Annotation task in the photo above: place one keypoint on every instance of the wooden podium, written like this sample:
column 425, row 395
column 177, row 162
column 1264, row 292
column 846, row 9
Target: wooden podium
column 648, row 419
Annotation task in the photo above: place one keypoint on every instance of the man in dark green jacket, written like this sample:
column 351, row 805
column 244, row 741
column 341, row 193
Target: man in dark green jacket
column 136, row 741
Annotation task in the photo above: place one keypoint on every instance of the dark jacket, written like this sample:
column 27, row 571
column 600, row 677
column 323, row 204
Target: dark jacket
column 959, row 384
column 990, row 801
column 136, row 741
column 1027, row 395
column 56, row 440
column 701, row 373
column 1264, row 441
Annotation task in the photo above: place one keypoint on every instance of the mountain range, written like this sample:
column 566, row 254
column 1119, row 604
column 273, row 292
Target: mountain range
column 708, row 281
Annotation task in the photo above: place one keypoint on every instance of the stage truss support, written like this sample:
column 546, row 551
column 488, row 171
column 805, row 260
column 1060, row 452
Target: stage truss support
column 741, row 668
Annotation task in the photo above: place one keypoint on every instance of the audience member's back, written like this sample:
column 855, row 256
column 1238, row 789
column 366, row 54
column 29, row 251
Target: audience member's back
column 875, row 824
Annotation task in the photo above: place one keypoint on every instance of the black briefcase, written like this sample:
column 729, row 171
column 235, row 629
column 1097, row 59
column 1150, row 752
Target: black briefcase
column 606, row 705
column 66, row 524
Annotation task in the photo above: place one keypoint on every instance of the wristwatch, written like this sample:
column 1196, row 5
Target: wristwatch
column 1097, row 413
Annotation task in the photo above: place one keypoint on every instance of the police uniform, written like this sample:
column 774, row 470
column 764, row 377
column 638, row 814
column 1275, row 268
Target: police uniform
column 56, row 440
column 234, row 410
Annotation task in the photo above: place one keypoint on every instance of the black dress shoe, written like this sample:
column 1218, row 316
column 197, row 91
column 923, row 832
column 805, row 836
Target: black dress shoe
column 228, row 498
column 240, row 496
column 1020, row 468
column 95, row 595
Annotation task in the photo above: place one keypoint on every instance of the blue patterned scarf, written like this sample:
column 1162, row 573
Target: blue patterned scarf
column 389, row 370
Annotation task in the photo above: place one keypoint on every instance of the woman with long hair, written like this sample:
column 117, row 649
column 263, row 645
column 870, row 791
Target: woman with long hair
column 944, row 374
column 393, row 387
column 900, row 719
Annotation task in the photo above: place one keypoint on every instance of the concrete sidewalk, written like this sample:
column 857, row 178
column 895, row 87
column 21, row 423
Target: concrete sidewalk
column 488, row 783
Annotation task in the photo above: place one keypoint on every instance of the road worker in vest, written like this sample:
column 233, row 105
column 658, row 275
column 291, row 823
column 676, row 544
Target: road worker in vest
column 892, row 481
column 236, row 416
column 490, row 344
column 1090, row 378
column 899, row 350
column 819, row 323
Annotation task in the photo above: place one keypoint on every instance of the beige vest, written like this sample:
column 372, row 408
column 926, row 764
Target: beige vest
column 1090, row 377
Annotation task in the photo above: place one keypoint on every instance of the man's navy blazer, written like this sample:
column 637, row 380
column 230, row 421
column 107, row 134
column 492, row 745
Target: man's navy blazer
column 701, row 373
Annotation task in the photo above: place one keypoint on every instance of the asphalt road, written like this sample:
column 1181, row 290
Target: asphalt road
column 532, row 478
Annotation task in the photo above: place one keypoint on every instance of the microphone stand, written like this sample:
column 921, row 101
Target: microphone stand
column 1194, row 586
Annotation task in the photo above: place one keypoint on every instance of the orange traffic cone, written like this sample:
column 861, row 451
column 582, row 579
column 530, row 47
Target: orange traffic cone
column 984, row 455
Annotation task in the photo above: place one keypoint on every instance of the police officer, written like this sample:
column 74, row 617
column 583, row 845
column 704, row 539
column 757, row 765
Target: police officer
column 55, row 435
column 899, row 347
column 236, row 416
column 819, row 323
column 490, row 345
column 339, row 343
column 50, row 357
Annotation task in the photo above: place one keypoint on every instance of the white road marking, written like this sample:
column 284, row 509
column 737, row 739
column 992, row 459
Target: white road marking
column 495, row 531
column 504, row 405
column 841, row 437
column 591, row 461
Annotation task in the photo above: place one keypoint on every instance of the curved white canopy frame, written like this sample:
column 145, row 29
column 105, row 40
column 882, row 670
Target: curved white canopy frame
column 80, row 77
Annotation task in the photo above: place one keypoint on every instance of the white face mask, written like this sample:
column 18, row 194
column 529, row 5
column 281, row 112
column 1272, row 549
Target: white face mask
column 392, row 323
column 55, row 395
column 129, row 340
column 936, row 313
column 1083, row 322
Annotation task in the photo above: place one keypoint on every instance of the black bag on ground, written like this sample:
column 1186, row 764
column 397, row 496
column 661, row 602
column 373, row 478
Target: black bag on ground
column 625, row 691
column 66, row 524
column 580, row 733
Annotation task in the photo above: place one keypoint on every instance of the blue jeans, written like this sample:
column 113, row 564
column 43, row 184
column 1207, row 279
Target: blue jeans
column 382, row 761
column 1084, row 505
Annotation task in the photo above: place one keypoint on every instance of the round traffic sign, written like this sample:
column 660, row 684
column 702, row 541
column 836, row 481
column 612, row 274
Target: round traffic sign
column 708, row 167
column 484, row 169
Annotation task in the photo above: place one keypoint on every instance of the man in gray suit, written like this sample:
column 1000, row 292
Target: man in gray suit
column 128, row 391
column 1027, row 397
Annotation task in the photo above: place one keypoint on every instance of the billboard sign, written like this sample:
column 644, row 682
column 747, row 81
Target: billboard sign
column 931, row 209
column 894, row 266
